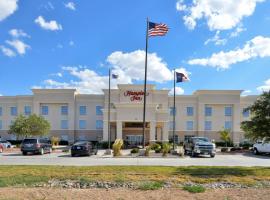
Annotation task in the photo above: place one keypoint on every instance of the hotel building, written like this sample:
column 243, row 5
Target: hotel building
column 75, row 116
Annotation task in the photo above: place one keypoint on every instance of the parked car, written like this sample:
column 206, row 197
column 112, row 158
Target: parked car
column 36, row 146
column 1, row 148
column 261, row 147
column 83, row 148
column 6, row 144
column 199, row 145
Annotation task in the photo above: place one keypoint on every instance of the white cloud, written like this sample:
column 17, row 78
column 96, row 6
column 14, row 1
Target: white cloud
column 7, row 8
column 1, row 95
column 7, row 51
column 257, row 47
column 18, row 33
column 70, row 5
column 19, row 45
column 219, row 14
column 216, row 39
column 178, row 91
column 265, row 87
column 71, row 43
column 246, row 92
column 237, row 31
column 50, row 25
column 129, row 67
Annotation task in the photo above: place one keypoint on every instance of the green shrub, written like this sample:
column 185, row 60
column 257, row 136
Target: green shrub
column 158, row 150
column 155, row 146
column 117, row 145
column 151, row 185
column 55, row 140
column 147, row 151
column 224, row 149
column 166, row 147
column 135, row 150
column 194, row 188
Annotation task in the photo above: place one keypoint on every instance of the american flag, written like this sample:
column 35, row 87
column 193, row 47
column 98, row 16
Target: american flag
column 156, row 29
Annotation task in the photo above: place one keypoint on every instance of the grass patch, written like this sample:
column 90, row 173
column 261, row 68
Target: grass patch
column 30, row 175
column 151, row 185
column 194, row 189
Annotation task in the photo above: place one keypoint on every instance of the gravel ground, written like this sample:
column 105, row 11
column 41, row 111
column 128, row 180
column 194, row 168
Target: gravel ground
column 126, row 194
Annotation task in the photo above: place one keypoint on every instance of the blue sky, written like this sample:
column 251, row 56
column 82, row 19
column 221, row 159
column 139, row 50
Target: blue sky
column 220, row 44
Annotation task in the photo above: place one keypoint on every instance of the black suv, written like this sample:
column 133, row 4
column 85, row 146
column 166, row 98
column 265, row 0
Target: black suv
column 36, row 146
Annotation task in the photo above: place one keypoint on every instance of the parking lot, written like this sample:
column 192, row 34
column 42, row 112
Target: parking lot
column 60, row 158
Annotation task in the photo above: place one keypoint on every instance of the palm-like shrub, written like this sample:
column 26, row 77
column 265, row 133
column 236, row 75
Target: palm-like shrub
column 117, row 145
column 55, row 140
column 225, row 136
column 147, row 151
column 165, row 149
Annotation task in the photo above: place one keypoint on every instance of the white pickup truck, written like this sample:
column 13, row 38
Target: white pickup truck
column 261, row 147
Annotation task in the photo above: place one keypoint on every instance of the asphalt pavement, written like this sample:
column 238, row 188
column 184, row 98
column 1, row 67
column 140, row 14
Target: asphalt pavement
column 64, row 159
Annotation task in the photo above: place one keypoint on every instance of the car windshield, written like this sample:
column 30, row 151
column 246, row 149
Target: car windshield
column 30, row 141
column 80, row 143
column 201, row 139
column 3, row 141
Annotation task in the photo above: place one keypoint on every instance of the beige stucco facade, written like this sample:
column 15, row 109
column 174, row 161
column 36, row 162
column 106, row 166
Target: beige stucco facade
column 75, row 116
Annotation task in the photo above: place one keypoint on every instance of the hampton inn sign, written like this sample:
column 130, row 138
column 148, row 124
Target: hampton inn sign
column 75, row 116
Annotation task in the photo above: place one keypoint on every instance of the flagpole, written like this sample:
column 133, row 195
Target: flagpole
column 109, row 112
column 174, row 109
column 145, row 80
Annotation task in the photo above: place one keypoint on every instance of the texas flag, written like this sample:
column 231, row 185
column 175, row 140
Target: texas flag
column 181, row 77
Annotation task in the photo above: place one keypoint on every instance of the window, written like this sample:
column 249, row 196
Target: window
column 64, row 124
column 99, row 124
column 245, row 113
column 189, row 111
column 228, row 111
column 189, row 125
column 13, row 111
column 98, row 110
column 82, row 124
column 44, row 110
column 1, row 111
column 64, row 110
column 171, row 125
column 172, row 111
column 27, row 110
column 82, row 110
column 1, row 124
column 207, row 125
column 208, row 111
column 228, row 125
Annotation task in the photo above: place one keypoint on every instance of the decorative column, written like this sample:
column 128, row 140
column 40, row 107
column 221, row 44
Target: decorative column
column 119, row 134
column 152, row 132
column 236, row 124
column 105, row 131
column 200, row 119
column 165, row 132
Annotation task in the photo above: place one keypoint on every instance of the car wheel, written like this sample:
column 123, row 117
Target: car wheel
column 212, row 155
column 24, row 153
column 255, row 151
column 72, row 155
column 41, row 151
column 193, row 154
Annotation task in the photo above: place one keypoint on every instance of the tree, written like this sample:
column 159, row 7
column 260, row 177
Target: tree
column 33, row 125
column 225, row 136
column 259, row 125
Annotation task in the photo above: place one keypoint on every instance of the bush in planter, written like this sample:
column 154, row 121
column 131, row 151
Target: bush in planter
column 147, row 151
column 158, row 150
column 166, row 147
column 134, row 150
column 55, row 140
column 117, row 145
column 224, row 149
column 155, row 147
column 236, row 149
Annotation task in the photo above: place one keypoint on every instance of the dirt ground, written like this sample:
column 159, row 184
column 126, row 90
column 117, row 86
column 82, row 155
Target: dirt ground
column 123, row 194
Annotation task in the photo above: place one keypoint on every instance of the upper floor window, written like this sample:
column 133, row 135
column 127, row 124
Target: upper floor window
column 82, row 124
column 228, row 111
column 245, row 113
column 27, row 110
column 99, row 124
column 171, row 124
column 44, row 110
column 172, row 111
column 228, row 125
column 13, row 111
column 99, row 110
column 64, row 124
column 208, row 111
column 64, row 110
column 1, row 111
column 189, row 125
column 207, row 125
column 82, row 110
column 189, row 111
column 1, row 126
